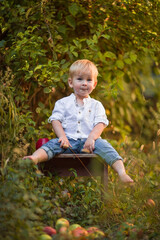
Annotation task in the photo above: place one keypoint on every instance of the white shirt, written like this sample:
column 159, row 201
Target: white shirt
column 78, row 121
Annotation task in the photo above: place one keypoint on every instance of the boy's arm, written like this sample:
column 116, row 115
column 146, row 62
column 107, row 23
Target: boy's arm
column 59, row 131
column 94, row 134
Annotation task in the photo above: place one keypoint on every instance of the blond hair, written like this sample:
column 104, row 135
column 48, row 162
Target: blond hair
column 82, row 66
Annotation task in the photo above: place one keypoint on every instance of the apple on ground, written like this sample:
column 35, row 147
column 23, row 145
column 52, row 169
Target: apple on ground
column 49, row 230
column 151, row 203
column 45, row 237
column 73, row 226
column 95, row 233
column 92, row 229
column 79, row 232
column 63, row 230
column 61, row 222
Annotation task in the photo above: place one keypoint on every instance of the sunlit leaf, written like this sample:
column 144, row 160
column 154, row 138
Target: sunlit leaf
column 110, row 55
column 120, row 64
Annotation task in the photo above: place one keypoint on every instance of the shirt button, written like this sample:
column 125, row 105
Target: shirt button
column 79, row 112
column 78, row 121
column 78, row 131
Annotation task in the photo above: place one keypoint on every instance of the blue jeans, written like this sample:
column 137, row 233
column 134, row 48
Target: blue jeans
column 102, row 149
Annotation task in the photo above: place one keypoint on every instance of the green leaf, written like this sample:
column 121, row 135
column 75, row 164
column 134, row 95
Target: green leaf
column 38, row 67
column 62, row 29
column 41, row 105
column 128, row 61
column 73, row 9
column 75, row 54
column 47, row 90
column 76, row 42
column 71, row 22
column 28, row 12
column 20, row 34
column 133, row 56
column 105, row 36
column 110, row 55
column 119, row 73
column 95, row 38
column 120, row 64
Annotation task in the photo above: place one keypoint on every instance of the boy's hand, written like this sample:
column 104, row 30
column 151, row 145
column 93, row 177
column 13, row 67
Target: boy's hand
column 89, row 144
column 64, row 142
column 94, row 134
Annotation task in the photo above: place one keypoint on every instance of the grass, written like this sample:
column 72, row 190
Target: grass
column 29, row 200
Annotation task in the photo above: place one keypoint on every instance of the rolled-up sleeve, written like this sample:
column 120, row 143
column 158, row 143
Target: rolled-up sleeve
column 100, row 115
column 58, row 112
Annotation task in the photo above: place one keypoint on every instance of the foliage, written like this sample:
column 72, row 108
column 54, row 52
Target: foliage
column 20, row 209
column 9, row 117
column 29, row 200
column 40, row 39
column 16, row 124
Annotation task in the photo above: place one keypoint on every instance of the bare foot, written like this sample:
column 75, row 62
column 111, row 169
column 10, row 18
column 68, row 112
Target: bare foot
column 32, row 158
column 125, row 178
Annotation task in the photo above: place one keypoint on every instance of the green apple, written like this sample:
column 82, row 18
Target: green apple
column 61, row 222
column 95, row 233
column 45, row 237
column 73, row 226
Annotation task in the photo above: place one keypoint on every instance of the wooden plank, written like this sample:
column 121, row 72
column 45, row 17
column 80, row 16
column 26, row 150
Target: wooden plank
column 86, row 155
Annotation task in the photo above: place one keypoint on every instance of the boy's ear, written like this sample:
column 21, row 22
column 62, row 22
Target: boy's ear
column 95, row 84
column 70, row 82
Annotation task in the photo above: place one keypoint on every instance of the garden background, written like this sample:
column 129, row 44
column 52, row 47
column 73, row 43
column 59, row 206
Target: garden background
column 38, row 42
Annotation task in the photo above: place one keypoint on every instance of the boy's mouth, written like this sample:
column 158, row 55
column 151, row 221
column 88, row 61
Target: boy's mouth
column 84, row 89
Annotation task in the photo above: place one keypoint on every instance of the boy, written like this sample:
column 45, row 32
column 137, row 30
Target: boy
column 79, row 120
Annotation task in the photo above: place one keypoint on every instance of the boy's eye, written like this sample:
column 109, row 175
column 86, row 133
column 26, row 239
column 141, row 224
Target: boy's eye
column 89, row 80
column 79, row 78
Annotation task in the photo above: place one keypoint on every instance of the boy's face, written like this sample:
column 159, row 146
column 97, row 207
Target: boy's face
column 82, row 84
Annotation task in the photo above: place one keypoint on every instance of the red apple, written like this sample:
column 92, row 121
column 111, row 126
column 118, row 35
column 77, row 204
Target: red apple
column 63, row 230
column 79, row 232
column 49, row 230
column 92, row 229
column 95, row 233
column 40, row 142
column 151, row 203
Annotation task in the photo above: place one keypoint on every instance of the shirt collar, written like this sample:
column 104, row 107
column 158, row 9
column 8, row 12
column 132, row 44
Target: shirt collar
column 85, row 100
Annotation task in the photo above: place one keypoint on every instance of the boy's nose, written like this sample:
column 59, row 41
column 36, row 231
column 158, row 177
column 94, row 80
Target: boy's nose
column 84, row 82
